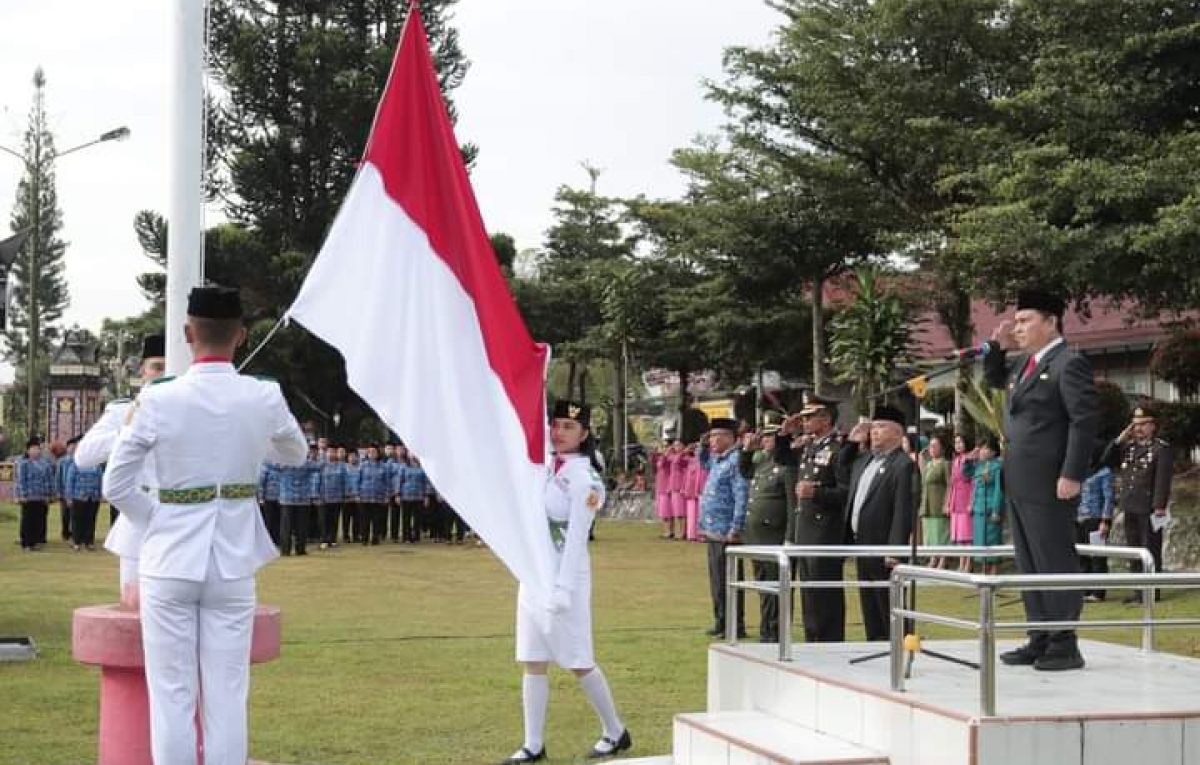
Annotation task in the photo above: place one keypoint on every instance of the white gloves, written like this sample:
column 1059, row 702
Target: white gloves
column 560, row 601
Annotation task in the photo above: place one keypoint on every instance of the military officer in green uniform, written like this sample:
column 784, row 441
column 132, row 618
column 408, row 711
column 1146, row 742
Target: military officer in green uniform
column 767, row 465
column 1143, row 465
column 819, row 519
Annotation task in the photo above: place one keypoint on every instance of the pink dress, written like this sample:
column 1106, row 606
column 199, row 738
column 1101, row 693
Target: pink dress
column 682, row 463
column 693, row 487
column 662, row 486
column 958, row 503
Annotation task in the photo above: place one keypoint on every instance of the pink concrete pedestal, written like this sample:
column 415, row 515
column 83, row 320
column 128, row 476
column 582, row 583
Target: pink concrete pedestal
column 111, row 638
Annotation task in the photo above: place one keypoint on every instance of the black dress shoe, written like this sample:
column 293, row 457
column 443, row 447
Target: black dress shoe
column 1026, row 655
column 1060, row 656
column 606, row 747
column 524, row 755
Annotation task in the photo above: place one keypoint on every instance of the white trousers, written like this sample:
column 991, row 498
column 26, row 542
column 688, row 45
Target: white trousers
column 196, row 636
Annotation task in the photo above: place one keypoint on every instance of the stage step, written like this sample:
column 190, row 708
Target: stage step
column 734, row 738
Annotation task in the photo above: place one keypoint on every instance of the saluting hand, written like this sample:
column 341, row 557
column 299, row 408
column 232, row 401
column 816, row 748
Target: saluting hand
column 1004, row 335
column 1068, row 489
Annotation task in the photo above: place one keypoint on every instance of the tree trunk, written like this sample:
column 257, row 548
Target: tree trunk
column 685, row 403
column 818, row 334
column 958, row 321
column 619, row 411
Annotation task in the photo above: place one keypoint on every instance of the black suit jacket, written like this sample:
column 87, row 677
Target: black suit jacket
column 886, row 514
column 1049, row 424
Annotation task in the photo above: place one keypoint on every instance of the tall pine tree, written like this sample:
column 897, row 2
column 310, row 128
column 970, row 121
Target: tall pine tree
column 40, row 268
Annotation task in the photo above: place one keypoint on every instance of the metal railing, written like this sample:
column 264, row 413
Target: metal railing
column 987, row 626
column 782, row 556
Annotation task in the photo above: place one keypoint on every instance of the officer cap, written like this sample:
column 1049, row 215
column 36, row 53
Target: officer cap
column 890, row 414
column 569, row 410
column 1041, row 300
column 154, row 347
column 215, row 302
column 723, row 423
column 1144, row 413
column 772, row 423
column 814, row 404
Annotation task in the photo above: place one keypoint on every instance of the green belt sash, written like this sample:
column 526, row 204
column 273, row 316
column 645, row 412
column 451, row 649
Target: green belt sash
column 558, row 533
column 207, row 494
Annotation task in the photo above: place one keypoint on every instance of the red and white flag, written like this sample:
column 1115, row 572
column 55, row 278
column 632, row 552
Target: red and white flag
column 408, row 289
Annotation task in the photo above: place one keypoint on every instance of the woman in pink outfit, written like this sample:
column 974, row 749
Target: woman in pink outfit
column 663, row 466
column 679, row 473
column 693, row 487
column 958, row 498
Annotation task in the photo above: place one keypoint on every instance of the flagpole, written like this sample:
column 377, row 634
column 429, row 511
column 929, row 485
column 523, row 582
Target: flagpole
column 185, row 211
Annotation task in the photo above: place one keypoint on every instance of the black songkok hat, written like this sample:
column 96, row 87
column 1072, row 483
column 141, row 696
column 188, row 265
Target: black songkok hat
column 1041, row 300
column 35, row 441
column 891, row 414
column 215, row 302
column 723, row 423
column 569, row 410
column 154, row 347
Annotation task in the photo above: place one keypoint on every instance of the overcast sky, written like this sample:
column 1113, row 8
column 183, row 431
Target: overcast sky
column 552, row 83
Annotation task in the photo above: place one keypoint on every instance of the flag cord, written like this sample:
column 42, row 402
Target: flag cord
column 278, row 325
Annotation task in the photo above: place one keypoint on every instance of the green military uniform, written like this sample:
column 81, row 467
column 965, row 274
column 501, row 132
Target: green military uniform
column 821, row 520
column 771, row 502
column 1143, row 475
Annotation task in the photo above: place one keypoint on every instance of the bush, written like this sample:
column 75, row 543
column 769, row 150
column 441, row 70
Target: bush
column 1113, row 407
column 1177, row 360
column 940, row 400
column 1179, row 424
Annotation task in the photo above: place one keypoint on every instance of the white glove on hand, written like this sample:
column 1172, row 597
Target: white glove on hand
column 560, row 601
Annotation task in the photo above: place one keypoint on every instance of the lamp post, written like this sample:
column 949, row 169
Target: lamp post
column 34, row 166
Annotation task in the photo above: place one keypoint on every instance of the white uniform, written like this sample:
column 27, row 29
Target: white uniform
column 125, row 537
column 209, row 431
column 573, row 495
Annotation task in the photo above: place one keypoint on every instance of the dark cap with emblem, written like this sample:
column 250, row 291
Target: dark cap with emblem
column 723, row 423
column 1041, row 300
column 154, row 347
column 1144, row 413
column 569, row 410
column 814, row 404
column 890, row 414
column 772, row 423
column 215, row 302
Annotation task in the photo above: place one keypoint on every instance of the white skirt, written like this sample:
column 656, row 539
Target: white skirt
column 565, row 639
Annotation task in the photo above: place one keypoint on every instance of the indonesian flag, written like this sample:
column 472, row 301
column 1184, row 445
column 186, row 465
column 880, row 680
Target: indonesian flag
column 408, row 289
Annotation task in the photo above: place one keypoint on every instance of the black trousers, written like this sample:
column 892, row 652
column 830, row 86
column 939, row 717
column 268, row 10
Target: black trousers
column 64, row 509
column 351, row 521
column 768, row 605
column 374, row 519
column 293, row 528
column 314, row 523
column 412, row 509
column 1138, row 533
column 33, row 523
column 270, row 515
column 1044, row 537
column 875, row 601
column 824, row 609
column 83, row 521
column 1088, row 564
column 331, row 512
column 716, row 586
column 394, row 520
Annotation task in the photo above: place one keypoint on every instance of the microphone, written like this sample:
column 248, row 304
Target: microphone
column 974, row 352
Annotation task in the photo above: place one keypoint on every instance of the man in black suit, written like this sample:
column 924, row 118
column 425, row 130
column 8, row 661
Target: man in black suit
column 879, row 507
column 1050, row 425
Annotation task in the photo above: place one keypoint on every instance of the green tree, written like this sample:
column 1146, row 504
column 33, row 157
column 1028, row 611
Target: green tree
column 39, row 272
column 870, row 337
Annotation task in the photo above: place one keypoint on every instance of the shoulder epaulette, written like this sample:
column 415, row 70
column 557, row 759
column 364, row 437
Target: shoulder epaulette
column 162, row 380
column 1162, row 442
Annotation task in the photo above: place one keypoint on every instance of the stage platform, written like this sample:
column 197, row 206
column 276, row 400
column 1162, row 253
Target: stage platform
column 1124, row 707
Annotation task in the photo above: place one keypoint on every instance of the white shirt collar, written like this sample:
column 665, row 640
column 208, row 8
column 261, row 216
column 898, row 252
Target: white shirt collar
column 1037, row 357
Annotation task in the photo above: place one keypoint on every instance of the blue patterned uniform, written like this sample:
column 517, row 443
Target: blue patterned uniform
column 723, row 503
column 315, row 479
column 35, row 480
column 351, row 487
column 373, row 482
column 268, row 483
column 83, row 484
column 295, row 484
column 333, row 482
column 413, row 485
column 62, row 476
column 1096, row 499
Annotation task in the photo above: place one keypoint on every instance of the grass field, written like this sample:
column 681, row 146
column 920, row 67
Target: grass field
column 399, row 654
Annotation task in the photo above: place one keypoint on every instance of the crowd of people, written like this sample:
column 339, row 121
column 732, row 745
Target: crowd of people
column 43, row 478
column 365, row 495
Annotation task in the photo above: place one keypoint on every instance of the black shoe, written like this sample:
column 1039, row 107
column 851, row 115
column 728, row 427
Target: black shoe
column 1027, row 654
column 524, row 755
column 717, row 630
column 606, row 747
column 1060, row 655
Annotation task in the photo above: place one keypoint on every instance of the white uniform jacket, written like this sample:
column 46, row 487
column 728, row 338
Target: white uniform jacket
column 209, row 428
column 125, row 537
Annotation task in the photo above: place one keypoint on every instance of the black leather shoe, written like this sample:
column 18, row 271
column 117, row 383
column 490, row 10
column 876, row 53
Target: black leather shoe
column 606, row 747
column 1027, row 654
column 524, row 755
column 1060, row 656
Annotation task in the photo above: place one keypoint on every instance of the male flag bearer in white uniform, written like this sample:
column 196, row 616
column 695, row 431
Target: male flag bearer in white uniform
column 209, row 431
column 124, row 538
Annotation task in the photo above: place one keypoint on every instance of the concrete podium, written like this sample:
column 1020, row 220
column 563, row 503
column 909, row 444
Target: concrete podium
column 110, row 637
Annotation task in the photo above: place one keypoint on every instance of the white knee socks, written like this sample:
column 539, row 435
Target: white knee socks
column 598, row 693
column 535, row 694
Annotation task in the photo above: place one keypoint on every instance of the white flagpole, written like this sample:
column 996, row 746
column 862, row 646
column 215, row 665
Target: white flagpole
column 185, row 213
